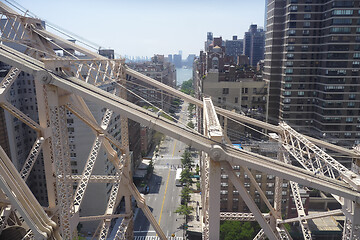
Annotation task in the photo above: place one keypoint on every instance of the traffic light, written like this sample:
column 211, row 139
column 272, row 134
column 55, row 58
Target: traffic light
column 173, row 235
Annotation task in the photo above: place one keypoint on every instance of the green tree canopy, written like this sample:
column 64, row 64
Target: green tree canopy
column 185, row 194
column 184, row 210
column 185, row 176
column 234, row 230
column 186, row 159
column 187, row 87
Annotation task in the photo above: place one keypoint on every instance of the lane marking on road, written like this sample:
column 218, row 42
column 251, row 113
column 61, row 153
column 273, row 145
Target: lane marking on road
column 167, row 183
column 162, row 205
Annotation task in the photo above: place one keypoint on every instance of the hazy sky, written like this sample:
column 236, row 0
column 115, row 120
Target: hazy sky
column 148, row 27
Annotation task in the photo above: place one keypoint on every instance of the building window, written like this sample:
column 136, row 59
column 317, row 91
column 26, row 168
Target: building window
column 342, row 21
column 244, row 90
column 347, row 134
column 340, row 30
column 236, row 167
column 357, row 55
column 349, row 119
column 225, row 91
column 307, row 8
column 301, row 93
column 223, row 192
column 223, row 184
column 288, row 79
column 290, row 56
column 304, row 48
column 287, row 100
column 289, row 70
column 292, row 32
column 236, row 100
column 307, row 16
column 290, row 48
column 293, row 8
column 342, row 12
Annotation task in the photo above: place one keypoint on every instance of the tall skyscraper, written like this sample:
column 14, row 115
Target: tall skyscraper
column 312, row 61
column 234, row 47
column 254, row 44
column 209, row 40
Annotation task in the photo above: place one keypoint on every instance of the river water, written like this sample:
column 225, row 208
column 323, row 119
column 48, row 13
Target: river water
column 183, row 74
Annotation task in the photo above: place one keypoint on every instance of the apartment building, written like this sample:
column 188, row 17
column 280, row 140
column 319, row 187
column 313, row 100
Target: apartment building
column 312, row 61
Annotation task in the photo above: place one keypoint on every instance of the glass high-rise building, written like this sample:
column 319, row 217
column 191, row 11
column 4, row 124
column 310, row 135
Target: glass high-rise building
column 312, row 60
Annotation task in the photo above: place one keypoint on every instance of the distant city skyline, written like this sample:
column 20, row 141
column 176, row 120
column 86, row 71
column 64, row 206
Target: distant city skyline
column 145, row 28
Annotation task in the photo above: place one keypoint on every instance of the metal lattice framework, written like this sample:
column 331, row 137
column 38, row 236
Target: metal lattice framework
column 63, row 83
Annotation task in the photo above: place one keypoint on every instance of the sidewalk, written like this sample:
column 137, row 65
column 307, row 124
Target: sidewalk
column 194, row 222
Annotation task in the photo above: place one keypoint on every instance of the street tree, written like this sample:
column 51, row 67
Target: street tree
column 185, row 177
column 234, row 230
column 191, row 125
column 184, row 210
column 186, row 159
column 185, row 194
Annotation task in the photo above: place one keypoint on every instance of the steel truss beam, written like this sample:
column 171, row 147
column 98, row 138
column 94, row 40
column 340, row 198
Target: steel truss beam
column 215, row 148
column 89, row 165
column 8, row 80
column 314, row 159
column 30, row 160
column 300, row 210
column 159, row 123
column 258, row 162
column 103, row 217
column 23, row 200
column 239, row 216
column 249, row 201
column 98, row 178
column 313, row 216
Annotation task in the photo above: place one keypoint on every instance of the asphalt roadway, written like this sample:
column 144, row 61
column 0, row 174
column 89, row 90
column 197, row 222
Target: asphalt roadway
column 164, row 196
